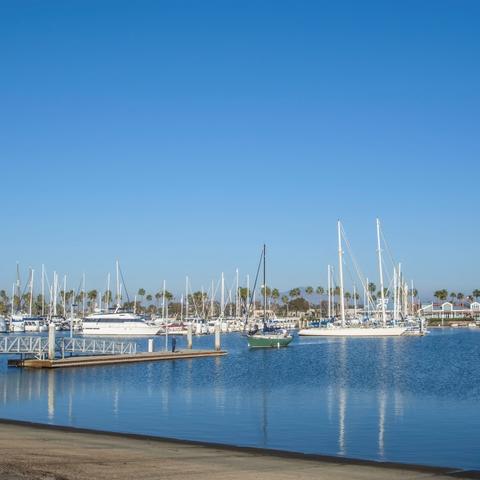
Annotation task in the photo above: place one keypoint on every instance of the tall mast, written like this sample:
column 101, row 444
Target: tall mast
column 380, row 269
column 118, row 284
column 186, row 297
column 222, row 297
column 329, row 291
column 237, row 298
column 247, row 297
column 31, row 293
column 340, row 273
column 395, row 294
column 19, row 292
column 264, row 284
column 212, row 302
column 55, row 294
column 163, row 300
column 43, row 290
column 65, row 296
column 83, row 294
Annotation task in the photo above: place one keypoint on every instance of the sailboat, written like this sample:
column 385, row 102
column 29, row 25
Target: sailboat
column 268, row 336
column 369, row 330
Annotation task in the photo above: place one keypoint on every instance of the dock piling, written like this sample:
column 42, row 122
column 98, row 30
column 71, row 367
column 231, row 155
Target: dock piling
column 150, row 345
column 51, row 341
column 217, row 337
column 189, row 337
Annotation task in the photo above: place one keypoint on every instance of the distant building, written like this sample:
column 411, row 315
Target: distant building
column 448, row 310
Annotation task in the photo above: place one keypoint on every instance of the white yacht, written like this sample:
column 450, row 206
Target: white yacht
column 17, row 323
column 3, row 325
column 117, row 323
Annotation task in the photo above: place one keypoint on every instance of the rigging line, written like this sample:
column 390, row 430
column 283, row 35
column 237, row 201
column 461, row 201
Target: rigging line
column 123, row 283
column 254, row 287
column 387, row 246
column 360, row 275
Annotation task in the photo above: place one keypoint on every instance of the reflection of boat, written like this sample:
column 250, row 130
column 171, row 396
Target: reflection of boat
column 268, row 336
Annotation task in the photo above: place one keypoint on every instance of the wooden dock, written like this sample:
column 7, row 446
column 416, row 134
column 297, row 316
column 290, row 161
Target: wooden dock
column 95, row 360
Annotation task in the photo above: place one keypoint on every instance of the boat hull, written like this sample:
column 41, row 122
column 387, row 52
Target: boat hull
column 268, row 341
column 124, row 330
column 353, row 332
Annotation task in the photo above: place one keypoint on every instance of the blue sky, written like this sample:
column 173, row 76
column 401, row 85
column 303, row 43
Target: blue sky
column 178, row 136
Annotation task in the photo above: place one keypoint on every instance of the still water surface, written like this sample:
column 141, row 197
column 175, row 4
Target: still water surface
column 407, row 399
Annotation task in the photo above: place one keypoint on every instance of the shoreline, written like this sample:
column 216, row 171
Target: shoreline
column 39, row 451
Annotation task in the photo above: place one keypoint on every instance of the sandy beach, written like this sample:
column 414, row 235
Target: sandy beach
column 46, row 453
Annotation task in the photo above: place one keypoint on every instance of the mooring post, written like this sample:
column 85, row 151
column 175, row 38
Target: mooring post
column 51, row 341
column 150, row 345
column 217, row 336
column 189, row 337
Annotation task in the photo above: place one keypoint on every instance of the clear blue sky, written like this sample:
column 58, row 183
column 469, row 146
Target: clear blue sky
column 178, row 136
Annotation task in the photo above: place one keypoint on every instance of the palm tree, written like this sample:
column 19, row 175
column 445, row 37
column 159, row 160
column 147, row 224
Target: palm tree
column 453, row 296
column 285, row 302
column 141, row 293
column 309, row 290
column 275, row 295
column 92, row 297
column 476, row 293
column 347, row 296
column 149, row 298
column 441, row 294
column 460, row 297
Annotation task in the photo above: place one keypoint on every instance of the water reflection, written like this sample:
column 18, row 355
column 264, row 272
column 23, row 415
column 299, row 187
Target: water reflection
column 384, row 399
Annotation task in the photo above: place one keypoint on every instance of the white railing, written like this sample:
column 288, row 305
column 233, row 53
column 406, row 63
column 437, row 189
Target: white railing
column 38, row 346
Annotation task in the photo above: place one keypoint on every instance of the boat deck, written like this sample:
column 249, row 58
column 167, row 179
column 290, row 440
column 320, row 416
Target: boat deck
column 95, row 360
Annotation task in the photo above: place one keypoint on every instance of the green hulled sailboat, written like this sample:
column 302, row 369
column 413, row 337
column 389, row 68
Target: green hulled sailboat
column 267, row 337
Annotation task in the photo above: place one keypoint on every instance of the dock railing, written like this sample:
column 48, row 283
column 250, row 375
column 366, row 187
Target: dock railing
column 38, row 347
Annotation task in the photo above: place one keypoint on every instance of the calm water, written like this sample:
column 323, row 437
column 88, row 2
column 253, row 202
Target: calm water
column 400, row 399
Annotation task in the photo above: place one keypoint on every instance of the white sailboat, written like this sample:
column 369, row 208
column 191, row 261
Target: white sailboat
column 368, row 330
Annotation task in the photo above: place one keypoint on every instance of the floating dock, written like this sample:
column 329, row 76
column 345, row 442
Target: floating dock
column 95, row 360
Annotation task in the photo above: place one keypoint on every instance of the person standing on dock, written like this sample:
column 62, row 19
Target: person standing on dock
column 174, row 344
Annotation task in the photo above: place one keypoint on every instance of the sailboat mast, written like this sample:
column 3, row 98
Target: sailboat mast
column 264, row 284
column 43, row 290
column 222, row 296
column 237, row 298
column 83, row 294
column 211, row 302
column 108, row 292
column 163, row 300
column 380, row 269
column 31, row 293
column 186, row 297
column 329, row 290
column 117, row 274
column 340, row 273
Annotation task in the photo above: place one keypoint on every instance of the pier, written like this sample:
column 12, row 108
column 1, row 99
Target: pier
column 52, row 352
column 95, row 360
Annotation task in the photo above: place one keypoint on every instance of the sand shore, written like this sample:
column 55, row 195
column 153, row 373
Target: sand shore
column 37, row 452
